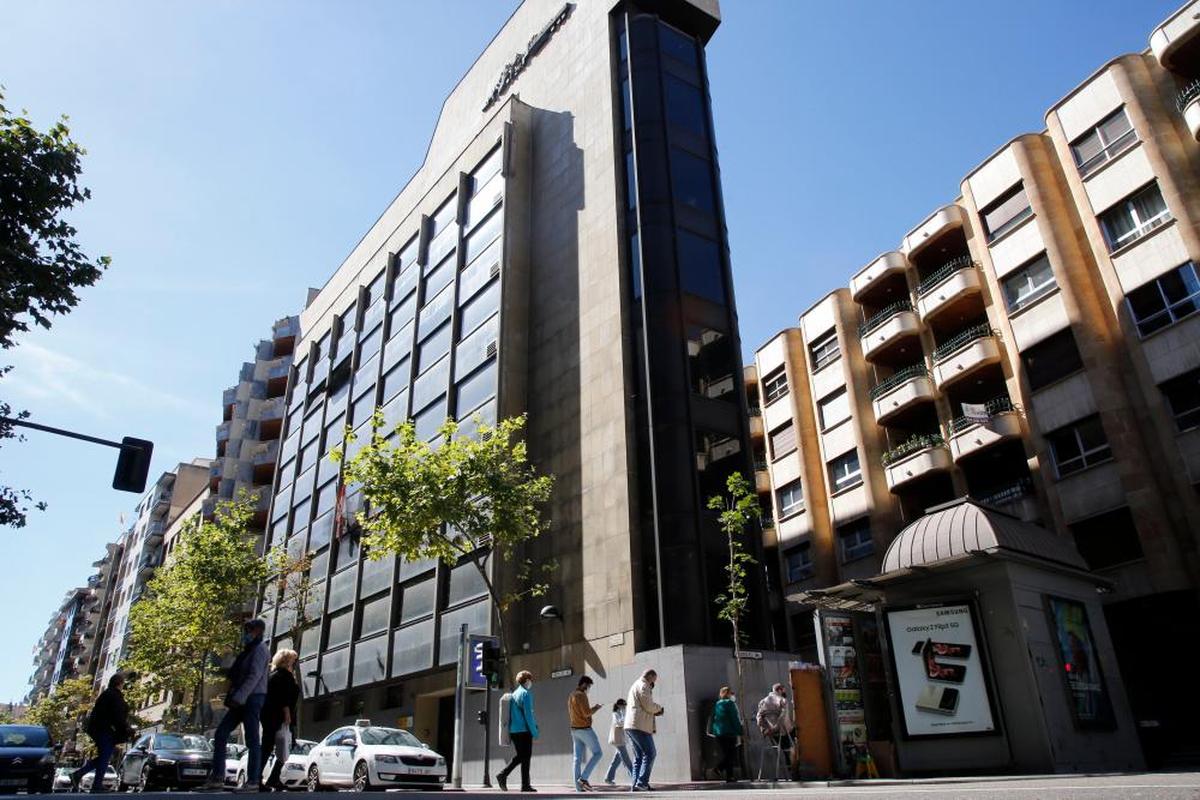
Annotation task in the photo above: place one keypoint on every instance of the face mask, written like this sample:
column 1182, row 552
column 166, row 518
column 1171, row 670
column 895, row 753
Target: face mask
column 526, row 683
column 247, row 638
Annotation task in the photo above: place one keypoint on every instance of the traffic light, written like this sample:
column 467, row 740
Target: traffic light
column 489, row 662
column 133, row 464
column 482, row 716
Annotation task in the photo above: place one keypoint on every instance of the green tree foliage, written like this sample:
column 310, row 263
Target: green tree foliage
column 41, row 264
column 63, row 710
column 465, row 498
column 194, row 604
column 738, row 508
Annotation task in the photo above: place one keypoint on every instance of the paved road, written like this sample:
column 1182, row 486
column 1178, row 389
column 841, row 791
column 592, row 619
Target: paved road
column 1174, row 786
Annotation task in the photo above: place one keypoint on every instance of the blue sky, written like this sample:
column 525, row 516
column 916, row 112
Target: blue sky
column 237, row 151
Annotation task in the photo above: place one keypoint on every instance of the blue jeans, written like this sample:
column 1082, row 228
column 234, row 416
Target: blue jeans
column 247, row 716
column 104, row 752
column 585, row 739
column 644, row 752
column 620, row 757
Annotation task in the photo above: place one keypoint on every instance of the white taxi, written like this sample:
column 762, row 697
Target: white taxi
column 365, row 757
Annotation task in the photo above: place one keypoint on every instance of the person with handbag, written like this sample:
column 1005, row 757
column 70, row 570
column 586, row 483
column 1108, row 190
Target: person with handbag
column 726, row 728
column 616, row 737
column 279, row 713
column 108, row 725
column 522, row 730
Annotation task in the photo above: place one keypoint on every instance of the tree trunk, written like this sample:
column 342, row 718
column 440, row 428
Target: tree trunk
column 501, row 630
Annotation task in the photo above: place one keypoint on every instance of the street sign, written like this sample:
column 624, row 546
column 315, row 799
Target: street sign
column 476, row 679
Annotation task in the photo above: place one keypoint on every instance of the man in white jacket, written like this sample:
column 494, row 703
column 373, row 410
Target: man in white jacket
column 639, row 725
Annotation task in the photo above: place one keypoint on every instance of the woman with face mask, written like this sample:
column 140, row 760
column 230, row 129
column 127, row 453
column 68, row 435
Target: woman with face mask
column 522, row 730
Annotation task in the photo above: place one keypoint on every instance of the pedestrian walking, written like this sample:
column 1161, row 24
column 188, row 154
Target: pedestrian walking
column 616, row 737
column 279, row 713
column 639, row 725
column 244, row 702
column 726, row 727
column 522, row 730
column 583, row 738
column 775, row 721
column 108, row 725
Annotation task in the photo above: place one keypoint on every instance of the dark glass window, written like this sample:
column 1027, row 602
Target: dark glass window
column 855, row 541
column 395, row 381
column 436, row 311
column 1183, row 396
column 1134, row 217
column 635, row 266
column 1101, row 144
column 480, row 309
column 824, row 350
column 373, row 616
column 412, row 649
column 700, row 270
column 433, row 348
column 487, row 232
column 480, row 271
column 1027, row 283
column 1079, row 445
column 1108, row 539
column 798, row 564
column 489, row 167
column 1051, row 359
column 717, row 456
column 426, row 423
column 711, row 363
column 685, row 106
column 775, row 386
column 677, row 45
column 474, row 349
column 432, row 383
column 473, row 391
column 790, row 499
column 630, row 182
column 1166, row 299
column 465, row 584
column 370, row 660
column 438, row 278
column 339, row 629
column 692, row 179
column 845, row 471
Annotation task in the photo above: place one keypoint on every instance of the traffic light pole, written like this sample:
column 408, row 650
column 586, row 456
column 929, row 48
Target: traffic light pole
column 459, row 703
column 487, row 735
column 133, row 462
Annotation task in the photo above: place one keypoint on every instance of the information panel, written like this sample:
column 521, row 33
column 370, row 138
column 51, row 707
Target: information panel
column 943, row 690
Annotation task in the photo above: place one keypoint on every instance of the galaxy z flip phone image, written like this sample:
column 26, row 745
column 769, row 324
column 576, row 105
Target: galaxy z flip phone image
column 938, row 699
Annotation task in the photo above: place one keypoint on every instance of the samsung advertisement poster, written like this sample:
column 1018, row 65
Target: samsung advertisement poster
column 943, row 690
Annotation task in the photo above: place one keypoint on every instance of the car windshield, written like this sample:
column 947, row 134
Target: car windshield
column 301, row 748
column 23, row 736
column 389, row 736
column 180, row 741
column 234, row 750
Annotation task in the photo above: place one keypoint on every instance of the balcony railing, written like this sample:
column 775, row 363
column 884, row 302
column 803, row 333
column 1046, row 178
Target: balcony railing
column 754, row 411
column 883, row 316
column 997, row 405
column 1187, row 94
column 1007, row 494
column 943, row 272
column 898, row 378
column 760, row 466
column 957, row 341
column 914, row 445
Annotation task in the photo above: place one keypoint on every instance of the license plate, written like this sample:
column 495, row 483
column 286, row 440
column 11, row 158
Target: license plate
column 195, row 772
column 420, row 770
column 13, row 781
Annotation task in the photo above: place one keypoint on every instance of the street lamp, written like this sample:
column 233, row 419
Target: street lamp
column 552, row 612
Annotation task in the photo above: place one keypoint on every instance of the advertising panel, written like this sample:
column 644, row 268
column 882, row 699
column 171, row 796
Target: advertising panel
column 841, row 654
column 939, row 671
column 1087, row 695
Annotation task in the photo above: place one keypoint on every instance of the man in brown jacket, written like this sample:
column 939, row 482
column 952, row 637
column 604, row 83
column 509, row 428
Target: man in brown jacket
column 580, row 711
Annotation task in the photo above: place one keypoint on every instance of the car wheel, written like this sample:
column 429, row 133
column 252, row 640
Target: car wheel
column 144, row 783
column 240, row 780
column 314, row 779
column 362, row 778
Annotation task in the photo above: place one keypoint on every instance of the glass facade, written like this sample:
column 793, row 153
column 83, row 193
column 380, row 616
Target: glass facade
column 690, row 419
column 420, row 341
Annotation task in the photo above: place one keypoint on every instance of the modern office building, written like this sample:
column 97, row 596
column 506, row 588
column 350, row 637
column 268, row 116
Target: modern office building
column 142, row 554
column 252, row 418
column 561, row 253
column 1032, row 345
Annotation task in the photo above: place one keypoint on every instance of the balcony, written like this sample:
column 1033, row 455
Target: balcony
column 1169, row 38
column 762, row 478
column 285, row 328
column 970, row 435
column 161, row 504
column 1189, row 105
column 893, row 323
column 229, row 396
column 870, row 276
column 947, row 287
column 964, row 354
column 1016, row 498
column 223, row 432
column 942, row 221
column 150, row 561
column 920, row 456
column 902, row 390
column 272, row 409
column 265, row 453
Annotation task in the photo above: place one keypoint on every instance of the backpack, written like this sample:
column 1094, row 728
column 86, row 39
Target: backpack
column 505, row 716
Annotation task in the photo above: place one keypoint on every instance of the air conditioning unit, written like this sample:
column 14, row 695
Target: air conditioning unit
column 495, row 270
column 492, row 349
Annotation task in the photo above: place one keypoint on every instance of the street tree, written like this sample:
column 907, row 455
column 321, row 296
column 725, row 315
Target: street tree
column 465, row 498
column 738, row 509
column 41, row 263
column 194, row 604
column 62, row 711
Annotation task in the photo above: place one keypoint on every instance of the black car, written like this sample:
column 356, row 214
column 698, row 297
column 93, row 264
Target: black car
column 166, row 761
column 26, row 759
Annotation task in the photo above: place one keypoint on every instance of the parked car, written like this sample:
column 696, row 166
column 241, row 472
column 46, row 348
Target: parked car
column 166, row 761
column 111, row 781
column 295, row 768
column 233, row 762
column 27, row 759
column 62, row 779
column 365, row 757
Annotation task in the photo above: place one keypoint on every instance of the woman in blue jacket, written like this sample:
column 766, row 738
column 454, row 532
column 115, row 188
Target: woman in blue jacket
column 522, row 729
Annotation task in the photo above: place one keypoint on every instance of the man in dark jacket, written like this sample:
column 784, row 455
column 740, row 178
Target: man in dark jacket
column 244, row 701
column 108, row 725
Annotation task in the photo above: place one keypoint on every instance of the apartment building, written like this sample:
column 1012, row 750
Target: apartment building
column 560, row 253
column 1032, row 345
column 142, row 553
column 252, row 418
